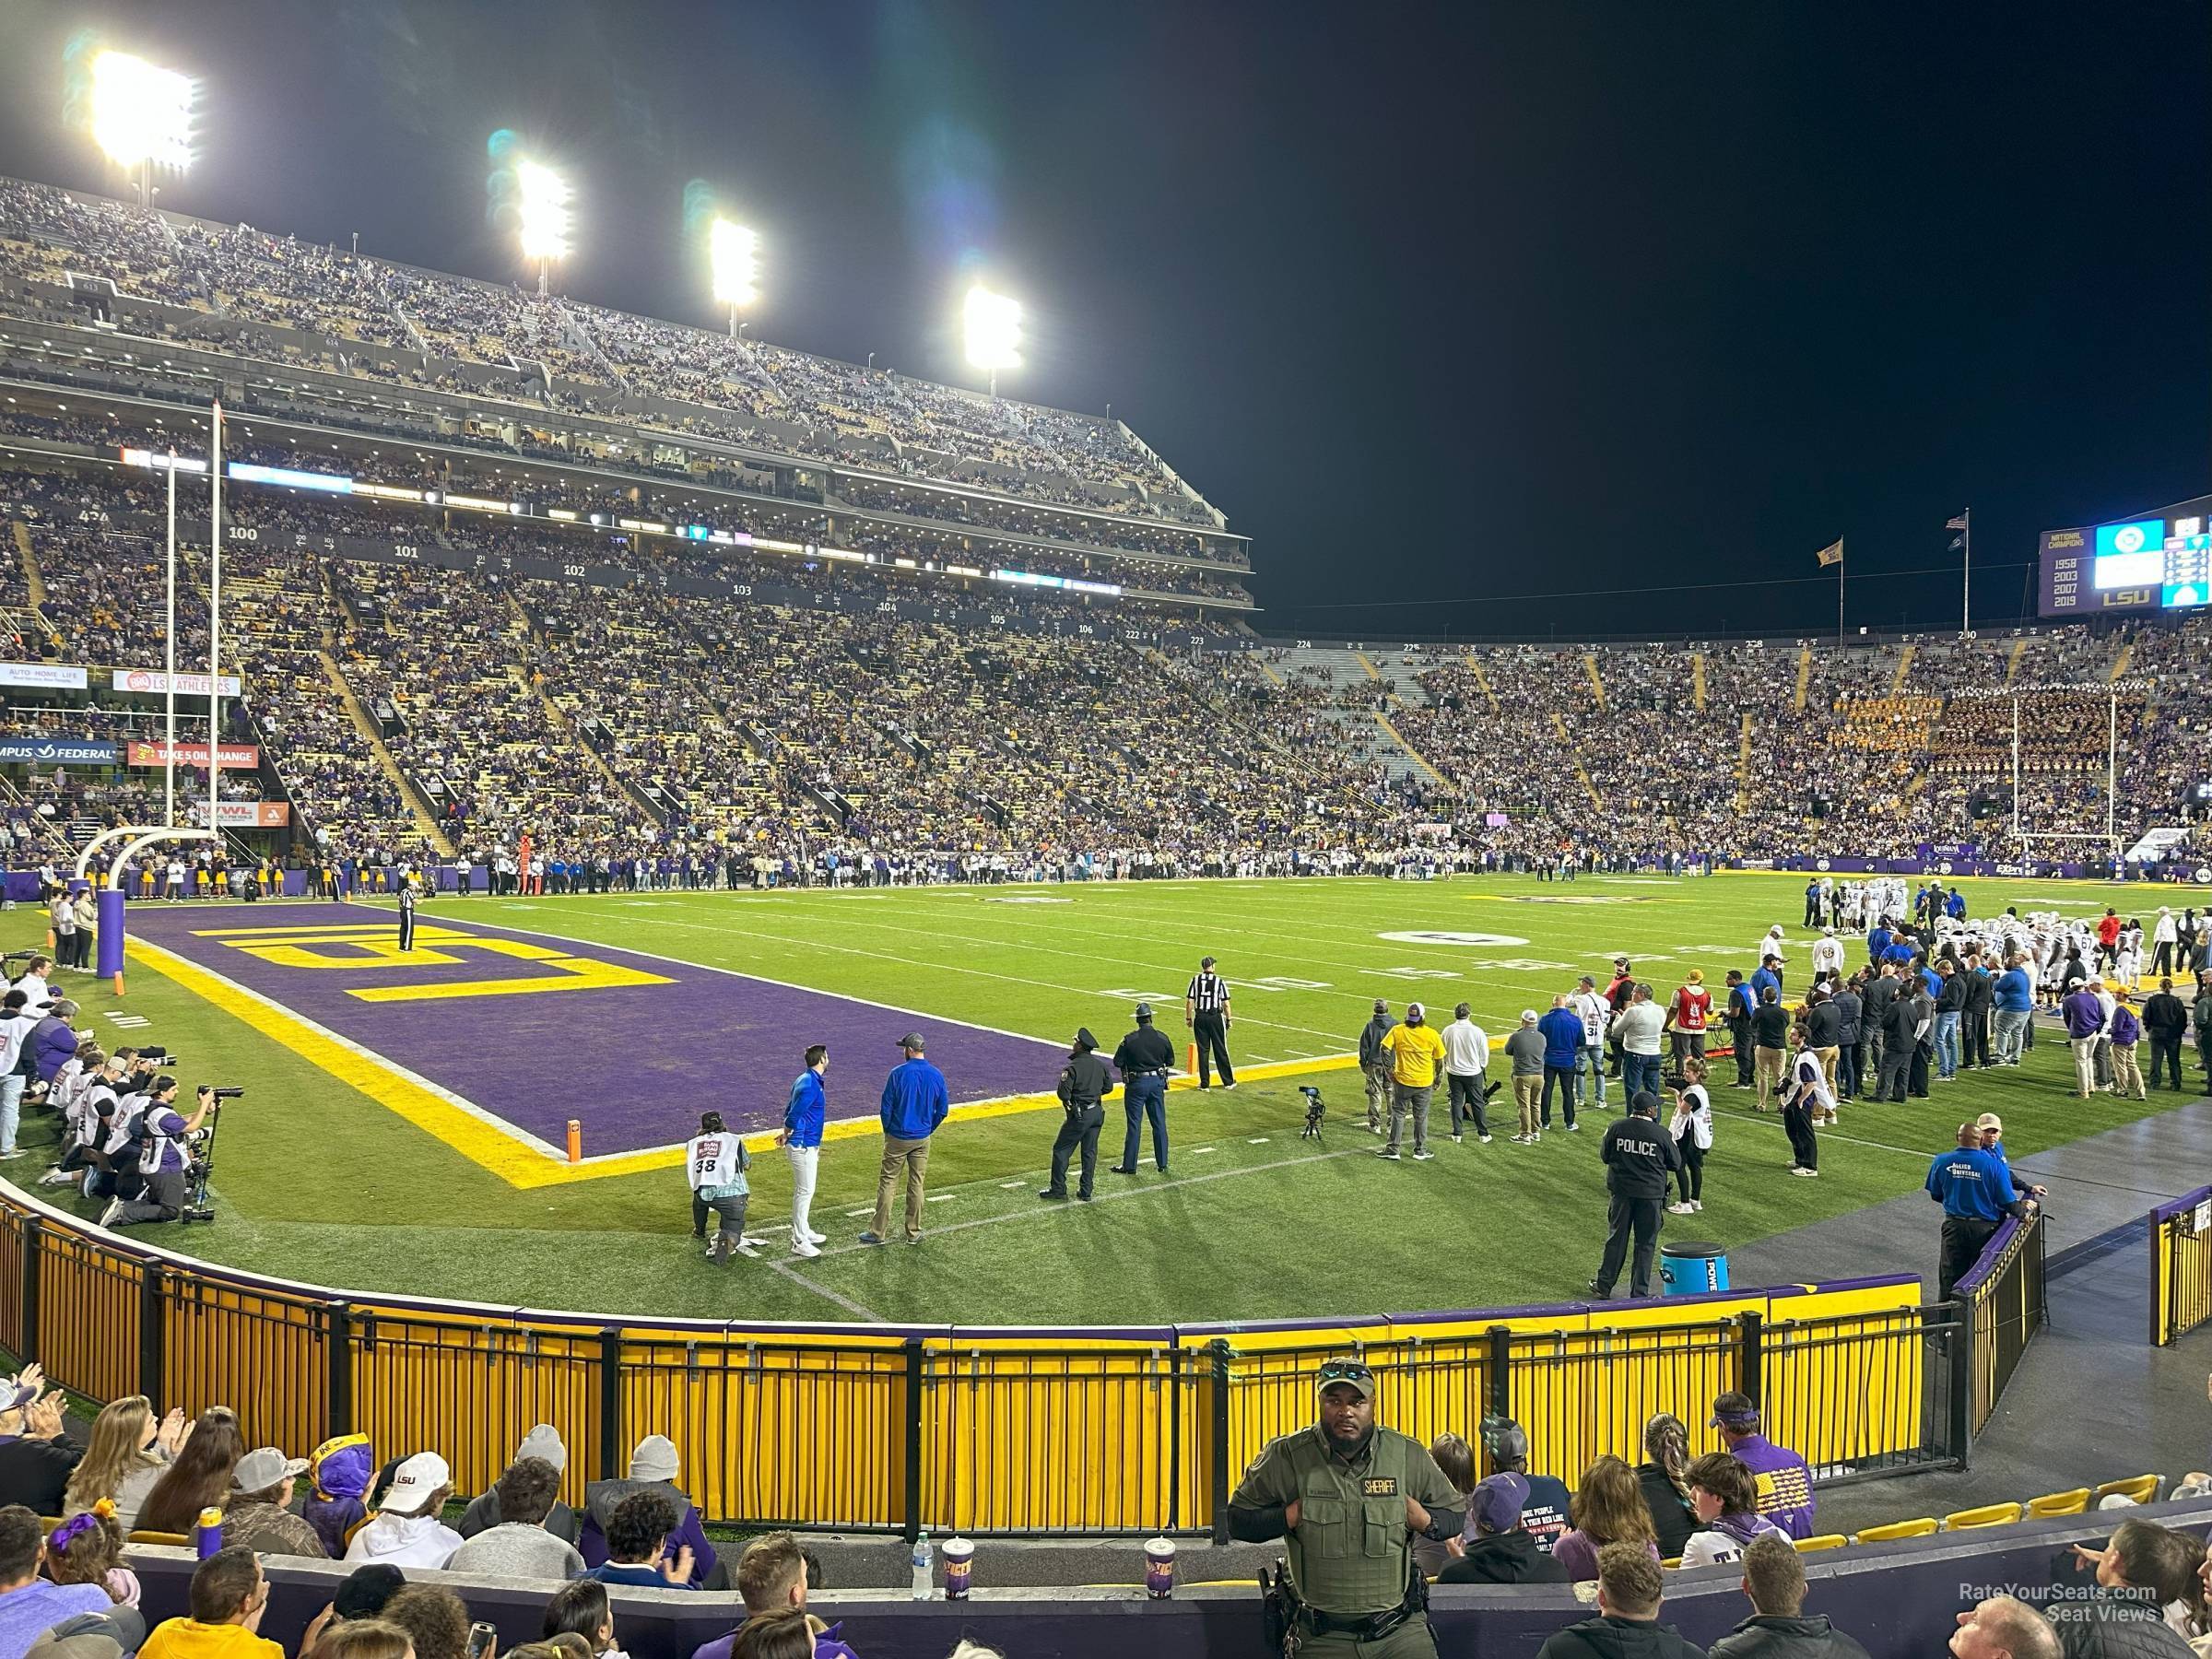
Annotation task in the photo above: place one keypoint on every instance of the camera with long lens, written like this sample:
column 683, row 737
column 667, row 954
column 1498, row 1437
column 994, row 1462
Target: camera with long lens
column 199, row 1160
column 1314, row 1112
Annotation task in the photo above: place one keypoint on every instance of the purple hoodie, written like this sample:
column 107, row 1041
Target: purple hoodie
column 1785, row 1484
column 2127, row 1030
column 2085, row 1013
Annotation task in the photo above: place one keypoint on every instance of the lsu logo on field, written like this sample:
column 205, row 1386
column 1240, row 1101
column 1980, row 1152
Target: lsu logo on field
column 358, row 947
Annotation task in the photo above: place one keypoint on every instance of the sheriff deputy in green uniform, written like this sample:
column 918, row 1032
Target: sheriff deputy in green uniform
column 1351, row 1498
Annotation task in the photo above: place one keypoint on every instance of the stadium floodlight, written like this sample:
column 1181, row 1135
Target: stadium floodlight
column 141, row 117
column 734, row 252
column 994, row 326
column 545, row 216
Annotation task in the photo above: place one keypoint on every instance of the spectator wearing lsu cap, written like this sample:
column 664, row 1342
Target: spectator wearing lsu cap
column 1466, row 1068
column 1416, row 1055
column 1525, row 1048
column 1144, row 1058
column 1498, row 1548
column 406, row 1531
column 1784, row 1483
column 1375, row 1065
column 259, row 1516
column 1545, row 1505
column 1641, row 1157
column 914, row 1103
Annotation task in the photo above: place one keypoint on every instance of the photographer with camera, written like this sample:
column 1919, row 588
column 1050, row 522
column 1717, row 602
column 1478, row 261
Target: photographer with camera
column 160, row 1136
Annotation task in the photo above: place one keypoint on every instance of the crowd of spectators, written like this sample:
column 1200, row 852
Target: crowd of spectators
column 576, row 354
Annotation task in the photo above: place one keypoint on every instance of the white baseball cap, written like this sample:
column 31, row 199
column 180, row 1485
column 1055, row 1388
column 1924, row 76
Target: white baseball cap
column 1528, row 1016
column 415, row 1480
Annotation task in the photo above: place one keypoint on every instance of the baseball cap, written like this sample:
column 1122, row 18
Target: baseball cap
column 263, row 1467
column 415, row 1480
column 1733, row 1410
column 1643, row 1103
column 1498, row 1501
column 1528, row 1016
column 1504, row 1440
column 1382, row 1006
column 912, row 1040
column 1990, row 1119
column 1415, row 1013
column 1830, row 932
column 1351, row 1373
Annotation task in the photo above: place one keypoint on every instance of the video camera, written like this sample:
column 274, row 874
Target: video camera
column 199, row 1160
column 1316, row 1110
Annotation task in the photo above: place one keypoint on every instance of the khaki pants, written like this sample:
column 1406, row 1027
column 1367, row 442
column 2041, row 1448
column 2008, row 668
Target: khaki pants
column 912, row 1158
column 2127, row 1077
column 1379, row 1085
column 1769, row 1073
column 1528, row 1094
column 2085, row 1066
column 1828, row 1065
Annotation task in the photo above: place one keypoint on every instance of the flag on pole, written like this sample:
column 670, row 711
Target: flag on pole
column 1958, row 524
column 1833, row 553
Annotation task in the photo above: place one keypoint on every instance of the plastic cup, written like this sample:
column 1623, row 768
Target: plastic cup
column 1160, row 1567
column 959, row 1567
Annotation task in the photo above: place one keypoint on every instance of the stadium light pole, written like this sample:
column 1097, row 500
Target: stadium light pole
column 546, row 218
column 733, row 256
column 994, row 330
column 141, row 117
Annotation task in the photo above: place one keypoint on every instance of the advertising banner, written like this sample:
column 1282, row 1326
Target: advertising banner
column 59, row 751
column 236, row 757
column 154, row 680
column 246, row 815
column 50, row 676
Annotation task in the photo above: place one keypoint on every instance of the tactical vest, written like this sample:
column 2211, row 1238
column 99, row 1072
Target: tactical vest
column 1349, row 1553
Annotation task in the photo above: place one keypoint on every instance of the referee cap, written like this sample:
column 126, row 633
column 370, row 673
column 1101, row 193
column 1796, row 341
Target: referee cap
column 1205, row 961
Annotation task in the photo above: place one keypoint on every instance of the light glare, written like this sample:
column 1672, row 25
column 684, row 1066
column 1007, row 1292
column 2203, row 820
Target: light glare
column 141, row 114
column 545, row 211
column 733, row 252
column 993, row 324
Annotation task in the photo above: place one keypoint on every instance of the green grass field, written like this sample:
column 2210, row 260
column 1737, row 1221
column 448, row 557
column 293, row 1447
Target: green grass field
column 319, row 1182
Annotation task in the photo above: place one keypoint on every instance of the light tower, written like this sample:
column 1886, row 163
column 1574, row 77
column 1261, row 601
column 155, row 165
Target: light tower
column 141, row 118
column 733, row 254
column 993, row 329
column 544, row 217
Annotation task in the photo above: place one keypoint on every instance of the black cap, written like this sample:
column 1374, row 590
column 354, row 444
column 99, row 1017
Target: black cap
column 1084, row 1040
column 912, row 1040
column 367, row 1589
column 1643, row 1103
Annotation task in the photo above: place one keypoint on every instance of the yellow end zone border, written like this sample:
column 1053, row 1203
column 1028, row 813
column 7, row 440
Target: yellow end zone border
column 515, row 1156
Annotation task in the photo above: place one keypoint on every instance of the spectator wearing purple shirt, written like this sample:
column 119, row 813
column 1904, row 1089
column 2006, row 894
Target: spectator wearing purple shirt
column 652, row 1464
column 771, row 1577
column 1786, row 1483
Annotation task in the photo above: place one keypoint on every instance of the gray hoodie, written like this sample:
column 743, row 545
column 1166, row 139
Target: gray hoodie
column 561, row 1521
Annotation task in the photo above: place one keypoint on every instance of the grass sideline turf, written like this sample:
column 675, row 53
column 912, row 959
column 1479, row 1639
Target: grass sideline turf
column 317, row 1182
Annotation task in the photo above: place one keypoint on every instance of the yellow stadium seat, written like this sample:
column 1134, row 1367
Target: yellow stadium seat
column 1989, row 1514
column 1897, row 1529
column 1671, row 1562
column 176, row 1540
column 2058, row 1503
column 2143, row 1489
column 1825, row 1541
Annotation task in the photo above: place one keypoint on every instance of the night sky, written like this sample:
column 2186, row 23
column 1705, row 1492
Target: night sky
column 1486, row 317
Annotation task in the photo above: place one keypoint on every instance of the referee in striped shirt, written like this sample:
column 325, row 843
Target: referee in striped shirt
column 1206, row 1011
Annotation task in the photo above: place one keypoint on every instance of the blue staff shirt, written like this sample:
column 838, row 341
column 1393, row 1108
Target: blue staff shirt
column 1971, row 1183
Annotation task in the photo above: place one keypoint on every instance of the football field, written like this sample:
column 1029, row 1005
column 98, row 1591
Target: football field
column 404, row 1121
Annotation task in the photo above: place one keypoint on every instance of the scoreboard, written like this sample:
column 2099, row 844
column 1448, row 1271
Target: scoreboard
column 2161, row 561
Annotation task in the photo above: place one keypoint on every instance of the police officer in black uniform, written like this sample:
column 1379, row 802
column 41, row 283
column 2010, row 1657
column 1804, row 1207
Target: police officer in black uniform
column 1085, row 1082
column 1639, row 1157
column 406, row 913
column 1145, row 1059
column 1206, row 1010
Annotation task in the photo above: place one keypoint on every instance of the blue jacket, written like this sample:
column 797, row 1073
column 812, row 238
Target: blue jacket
column 1971, row 1183
column 1761, row 979
column 1562, row 1029
column 804, row 1112
column 914, row 1102
column 1877, row 943
column 2015, row 994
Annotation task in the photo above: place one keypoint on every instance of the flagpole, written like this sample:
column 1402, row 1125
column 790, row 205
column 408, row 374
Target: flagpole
column 1966, row 565
column 1839, row 603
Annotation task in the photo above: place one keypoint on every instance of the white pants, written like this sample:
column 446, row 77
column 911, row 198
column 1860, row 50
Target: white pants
column 803, row 1161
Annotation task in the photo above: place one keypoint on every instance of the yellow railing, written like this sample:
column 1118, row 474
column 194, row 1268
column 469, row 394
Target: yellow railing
column 1075, row 1430
column 2180, row 1266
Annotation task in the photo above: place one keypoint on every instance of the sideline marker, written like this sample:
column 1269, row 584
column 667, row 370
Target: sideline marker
column 575, row 1140
column 1190, row 1061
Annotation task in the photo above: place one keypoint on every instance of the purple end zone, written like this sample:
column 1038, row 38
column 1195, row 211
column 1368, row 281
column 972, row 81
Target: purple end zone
column 638, row 1063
